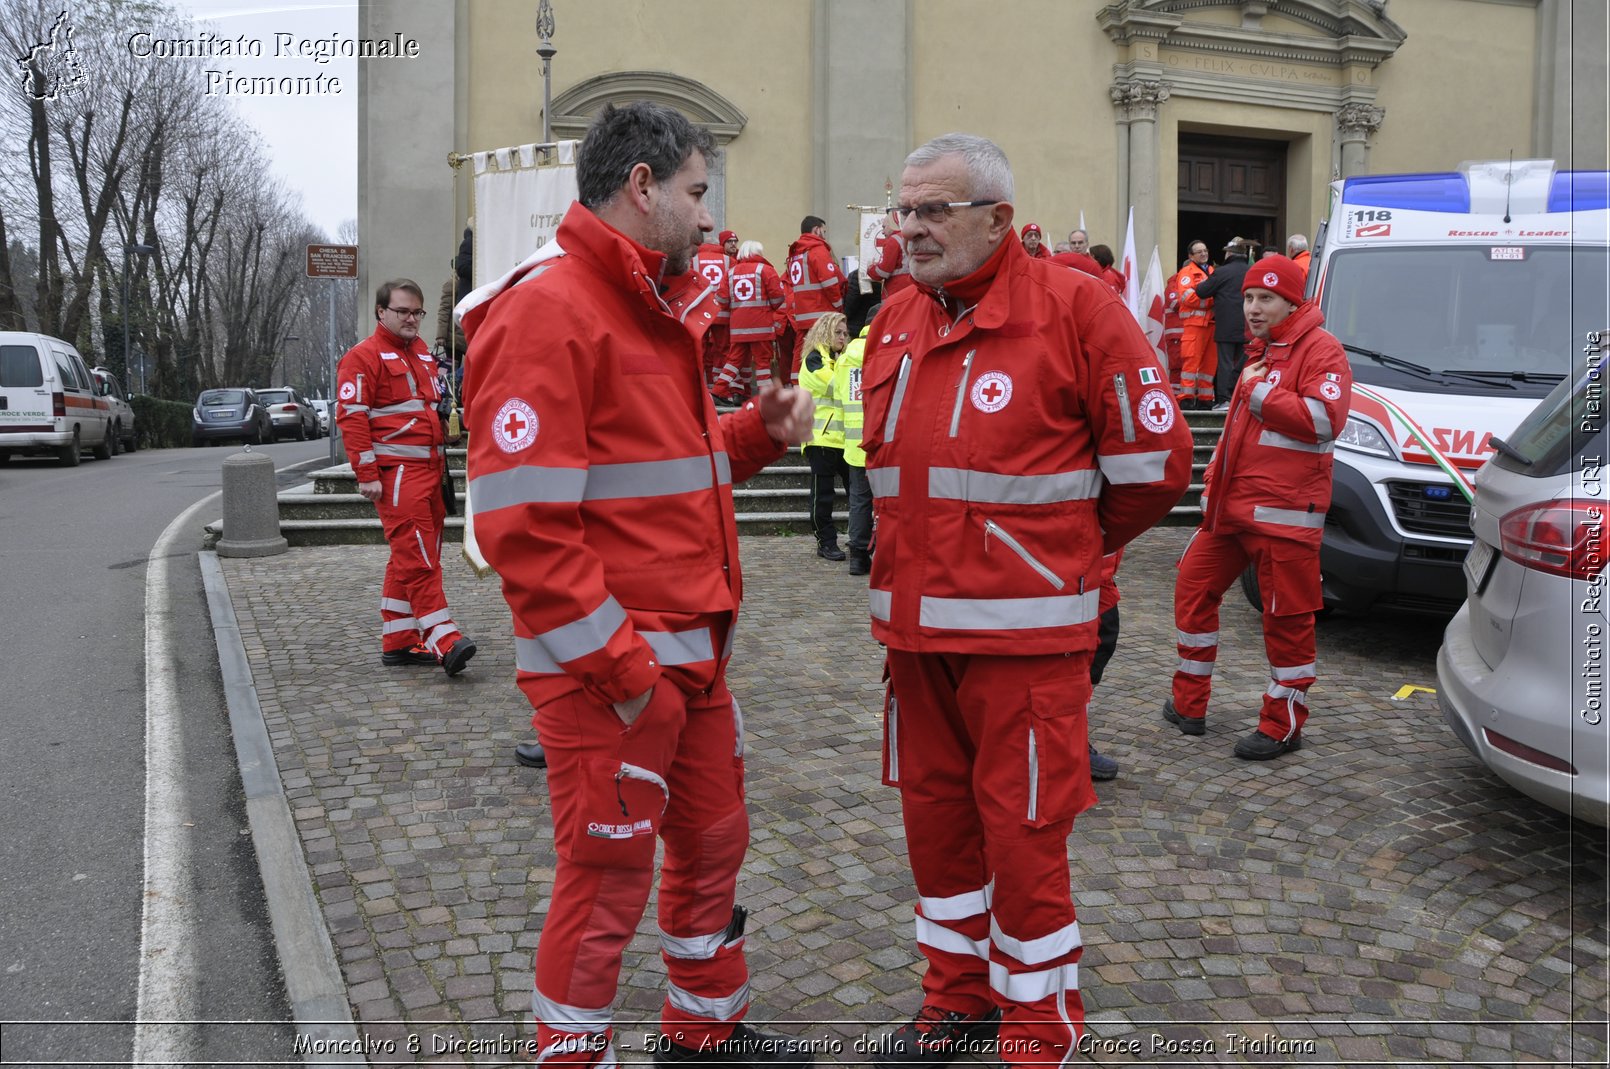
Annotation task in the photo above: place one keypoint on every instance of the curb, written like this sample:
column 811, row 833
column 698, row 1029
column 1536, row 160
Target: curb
column 313, row 983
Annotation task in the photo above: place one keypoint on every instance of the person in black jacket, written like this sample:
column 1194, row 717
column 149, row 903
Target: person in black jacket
column 1229, row 326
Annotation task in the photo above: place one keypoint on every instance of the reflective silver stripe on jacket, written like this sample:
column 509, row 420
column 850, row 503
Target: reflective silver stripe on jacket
column 885, row 482
column 562, row 1018
column 1288, row 517
column 576, row 639
column 651, row 478
column 351, row 408
column 1259, row 392
column 764, row 333
column 529, row 485
column 899, row 396
column 881, row 602
column 681, row 647
column 962, row 484
column 366, row 457
column 1008, row 614
column 1280, row 441
column 532, row 485
column 715, row 1009
column 1037, row 951
column 1321, row 417
column 411, row 405
column 386, row 449
column 1126, row 468
column 959, row 906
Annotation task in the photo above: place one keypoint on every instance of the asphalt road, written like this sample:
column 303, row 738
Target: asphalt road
column 73, row 564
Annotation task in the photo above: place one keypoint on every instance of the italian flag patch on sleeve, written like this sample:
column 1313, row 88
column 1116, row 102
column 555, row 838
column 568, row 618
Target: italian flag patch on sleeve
column 1149, row 376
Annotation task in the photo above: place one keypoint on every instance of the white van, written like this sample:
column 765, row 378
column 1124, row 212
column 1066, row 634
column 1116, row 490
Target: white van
column 49, row 402
column 1461, row 298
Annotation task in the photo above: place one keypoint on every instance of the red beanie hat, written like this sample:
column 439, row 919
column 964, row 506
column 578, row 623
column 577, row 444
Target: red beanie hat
column 726, row 236
column 1031, row 228
column 1278, row 275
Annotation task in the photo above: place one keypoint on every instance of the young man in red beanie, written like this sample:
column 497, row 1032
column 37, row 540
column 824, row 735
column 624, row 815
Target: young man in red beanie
column 1263, row 502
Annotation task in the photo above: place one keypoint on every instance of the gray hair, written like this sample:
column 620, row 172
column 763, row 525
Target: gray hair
column 747, row 249
column 620, row 138
column 987, row 167
column 1296, row 243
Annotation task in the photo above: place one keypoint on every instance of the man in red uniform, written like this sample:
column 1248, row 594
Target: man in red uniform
column 1018, row 428
column 387, row 399
column 1034, row 242
column 757, row 305
column 1264, row 501
column 598, row 466
column 714, row 264
column 891, row 268
column 1198, row 359
column 815, row 285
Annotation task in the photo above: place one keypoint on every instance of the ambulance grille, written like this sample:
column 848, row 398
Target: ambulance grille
column 1430, row 509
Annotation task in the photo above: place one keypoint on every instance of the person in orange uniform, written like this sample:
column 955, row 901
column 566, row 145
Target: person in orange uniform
column 1198, row 360
column 815, row 285
column 1018, row 428
column 601, row 479
column 1263, row 503
column 387, row 404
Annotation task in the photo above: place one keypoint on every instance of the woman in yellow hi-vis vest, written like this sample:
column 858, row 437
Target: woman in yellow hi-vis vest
column 825, row 451
column 846, row 393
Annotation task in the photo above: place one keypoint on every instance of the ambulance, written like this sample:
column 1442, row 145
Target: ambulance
column 1461, row 299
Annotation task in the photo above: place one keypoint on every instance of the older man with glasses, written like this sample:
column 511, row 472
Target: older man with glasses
column 388, row 398
column 1018, row 427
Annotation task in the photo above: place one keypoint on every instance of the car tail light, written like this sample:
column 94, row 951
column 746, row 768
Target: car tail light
column 1527, row 753
column 287, row 408
column 1558, row 538
column 58, row 405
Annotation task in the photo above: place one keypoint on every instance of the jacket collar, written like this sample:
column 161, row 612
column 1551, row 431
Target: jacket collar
column 807, row 241
column 618, row 258
column 1285, row 334
column 386, row 337
column 987, row 290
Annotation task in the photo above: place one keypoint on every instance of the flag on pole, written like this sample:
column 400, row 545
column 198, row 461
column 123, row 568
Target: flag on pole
column 1082, row 221
column 1129, row 268
column 1151, row 303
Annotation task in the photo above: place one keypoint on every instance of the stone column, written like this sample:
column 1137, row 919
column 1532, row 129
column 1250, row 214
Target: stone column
column 1355, row 123
column 1137, row 100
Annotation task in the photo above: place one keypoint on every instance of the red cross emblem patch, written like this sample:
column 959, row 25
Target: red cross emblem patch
column 515, row 426
column 992, row 391
column 1156, row 411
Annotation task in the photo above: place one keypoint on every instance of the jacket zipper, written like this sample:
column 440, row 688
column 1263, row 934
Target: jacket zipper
column 899, row 396
column 961, row 392
column 993, row 528
column 1121, row 387
column 400, row 430
column 1034, row 777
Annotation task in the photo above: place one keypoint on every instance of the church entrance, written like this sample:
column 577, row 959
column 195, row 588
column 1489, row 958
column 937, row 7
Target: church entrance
column 1231, row 187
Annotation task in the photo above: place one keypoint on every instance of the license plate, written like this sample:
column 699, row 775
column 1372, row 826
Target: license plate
column 1478, row 565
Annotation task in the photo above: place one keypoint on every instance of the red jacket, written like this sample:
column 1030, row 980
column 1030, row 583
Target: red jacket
column 1017, row 429
column 600, row 474
column 1115, row 279
column 891, row 268
column 815, row 286
column 757, row 298
column 386, row 403
column 711, row 262
column 1274, row 460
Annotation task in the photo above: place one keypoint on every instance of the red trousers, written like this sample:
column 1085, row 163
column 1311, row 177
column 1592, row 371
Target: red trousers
column 1198, row 361
column 1288, row 576
column 413, row 607
column 992, row 761
column 716, row 341
column 675, row 774
column 748, row 369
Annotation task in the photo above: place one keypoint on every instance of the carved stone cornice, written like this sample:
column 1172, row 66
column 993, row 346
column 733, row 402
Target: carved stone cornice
column 1138, row 98
column 1356, row 122
column 575, row 107
column 1346, row 31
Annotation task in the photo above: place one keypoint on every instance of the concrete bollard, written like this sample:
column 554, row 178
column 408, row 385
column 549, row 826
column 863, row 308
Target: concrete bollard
column 251, row 508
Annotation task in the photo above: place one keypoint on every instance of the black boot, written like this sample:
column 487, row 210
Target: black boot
column 829, row 551
column 860, row 562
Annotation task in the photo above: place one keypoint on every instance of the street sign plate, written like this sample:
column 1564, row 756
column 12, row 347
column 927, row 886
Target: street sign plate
column 332, row 261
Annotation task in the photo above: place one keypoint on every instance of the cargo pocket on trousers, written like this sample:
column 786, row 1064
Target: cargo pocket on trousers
column 1058, row 772
column 619, row 817
column 1291, row 575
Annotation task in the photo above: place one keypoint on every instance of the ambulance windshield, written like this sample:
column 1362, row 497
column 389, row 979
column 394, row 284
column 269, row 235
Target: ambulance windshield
column 1500, row 319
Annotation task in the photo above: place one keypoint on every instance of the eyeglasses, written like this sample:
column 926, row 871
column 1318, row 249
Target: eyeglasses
column 936, row 211
column 408, row 313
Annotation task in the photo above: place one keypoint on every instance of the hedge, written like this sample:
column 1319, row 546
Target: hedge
column 161, row 424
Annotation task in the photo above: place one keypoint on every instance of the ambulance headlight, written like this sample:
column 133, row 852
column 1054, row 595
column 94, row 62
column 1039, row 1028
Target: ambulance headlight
column 1362, row 436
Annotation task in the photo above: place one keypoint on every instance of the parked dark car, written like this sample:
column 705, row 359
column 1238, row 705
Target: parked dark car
column 293, row 417
column 225, row 414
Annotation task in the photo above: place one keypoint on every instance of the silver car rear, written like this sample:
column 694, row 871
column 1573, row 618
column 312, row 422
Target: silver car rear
column 1522, row 666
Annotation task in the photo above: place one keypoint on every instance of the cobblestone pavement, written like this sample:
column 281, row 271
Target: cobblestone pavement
column 1375, row 898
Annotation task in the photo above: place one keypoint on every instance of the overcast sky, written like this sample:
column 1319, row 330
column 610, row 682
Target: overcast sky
column 311, row 140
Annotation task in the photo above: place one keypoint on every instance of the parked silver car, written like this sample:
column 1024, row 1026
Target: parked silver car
column 292, row 416
column 1521, row 672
